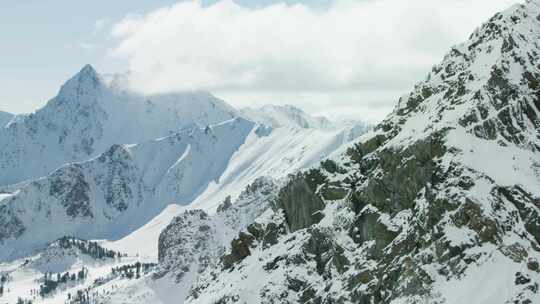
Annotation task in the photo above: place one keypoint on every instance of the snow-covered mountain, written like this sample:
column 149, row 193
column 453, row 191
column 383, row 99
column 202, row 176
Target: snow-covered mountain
column 65, row 270
column 88, row 116
column 440, row 203
column 278, row 116
column 5, row 117
column 273, row 154
column 130, row 193
column 118, row 191
column 115, row 194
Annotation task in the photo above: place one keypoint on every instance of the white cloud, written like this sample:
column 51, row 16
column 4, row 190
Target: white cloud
column 353, row 45
column 87, row 46
column 101, row 24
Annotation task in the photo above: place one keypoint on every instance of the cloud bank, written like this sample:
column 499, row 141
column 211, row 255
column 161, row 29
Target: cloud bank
column 382, row 45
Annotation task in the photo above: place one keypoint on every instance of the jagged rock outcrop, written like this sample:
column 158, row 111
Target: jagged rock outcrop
column 299, row 201
column 195, row 242
column 187, row 246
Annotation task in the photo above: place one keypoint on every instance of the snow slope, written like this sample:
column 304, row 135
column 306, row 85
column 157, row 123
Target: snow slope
column 278, row 116
column 88, row 116
column 5, row 117
column 192, row 243
column 25, row 276
column 119, row 191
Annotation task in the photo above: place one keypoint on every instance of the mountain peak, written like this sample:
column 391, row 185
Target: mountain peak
column 88, row 69
column 85, row 82
column 488, row 85
column 87, row 73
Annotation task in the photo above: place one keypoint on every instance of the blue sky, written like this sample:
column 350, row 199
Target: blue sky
column 40, row 44
column 326, row 55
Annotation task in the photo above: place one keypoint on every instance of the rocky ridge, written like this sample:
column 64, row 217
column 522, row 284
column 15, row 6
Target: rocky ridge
column 443, row 195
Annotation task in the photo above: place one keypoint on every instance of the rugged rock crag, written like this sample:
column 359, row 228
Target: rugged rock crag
column 443, row 196
column 194, row 241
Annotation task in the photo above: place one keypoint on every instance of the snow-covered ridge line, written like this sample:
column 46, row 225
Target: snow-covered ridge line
column 290, row 116
column 287, row 115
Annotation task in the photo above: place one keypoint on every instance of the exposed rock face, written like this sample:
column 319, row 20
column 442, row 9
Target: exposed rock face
column 186, row 246
column 12, row 225
column 239, row 249
column 442, row 196
column 195, row 242
column 69, row 185
column 300, row 202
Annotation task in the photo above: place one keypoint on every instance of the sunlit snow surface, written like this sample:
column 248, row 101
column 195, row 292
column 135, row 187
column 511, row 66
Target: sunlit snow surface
column 4, row 196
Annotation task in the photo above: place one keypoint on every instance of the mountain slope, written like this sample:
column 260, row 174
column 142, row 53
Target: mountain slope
column 64, row 271
column 131, row 192
column 287, row 115
column 265, row 153
column 439, row 204
column 5, row 117
column 88, row 116
column 117, row 192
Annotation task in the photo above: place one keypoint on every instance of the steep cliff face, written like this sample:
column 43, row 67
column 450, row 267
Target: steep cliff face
column 196, row 240
column 439, row 204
